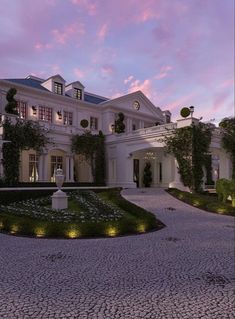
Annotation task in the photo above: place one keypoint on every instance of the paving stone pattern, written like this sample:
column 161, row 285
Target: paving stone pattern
column 183, row 271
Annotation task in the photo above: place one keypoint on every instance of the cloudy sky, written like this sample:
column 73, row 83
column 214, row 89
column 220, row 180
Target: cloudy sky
column 178, row 52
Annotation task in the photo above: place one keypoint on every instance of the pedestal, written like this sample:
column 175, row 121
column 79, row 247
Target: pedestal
column 59, row 200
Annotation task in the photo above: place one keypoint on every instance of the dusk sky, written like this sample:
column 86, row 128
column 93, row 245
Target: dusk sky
column 177, row 52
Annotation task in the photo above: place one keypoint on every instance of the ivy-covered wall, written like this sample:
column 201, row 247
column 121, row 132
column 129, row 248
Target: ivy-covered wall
column 92, row 147
column 190, row 146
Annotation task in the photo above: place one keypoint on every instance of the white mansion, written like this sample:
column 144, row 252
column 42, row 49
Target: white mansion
column 60, row 107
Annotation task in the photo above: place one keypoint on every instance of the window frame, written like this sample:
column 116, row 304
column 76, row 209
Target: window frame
column 58, row 88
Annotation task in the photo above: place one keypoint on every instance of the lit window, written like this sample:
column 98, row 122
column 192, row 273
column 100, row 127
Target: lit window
column 68, row 118
column 58, row 88
column 77, row 94
column 56, row 162
column 45, row 113
column 22, row 109
column 93, row 123
column 33, row 168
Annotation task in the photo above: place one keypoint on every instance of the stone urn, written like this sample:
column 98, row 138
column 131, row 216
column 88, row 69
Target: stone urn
column 59, row 198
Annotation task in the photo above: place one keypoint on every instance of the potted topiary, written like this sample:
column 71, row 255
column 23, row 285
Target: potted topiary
column 147, row 176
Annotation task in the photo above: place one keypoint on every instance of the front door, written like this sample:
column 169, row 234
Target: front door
column 136, row 171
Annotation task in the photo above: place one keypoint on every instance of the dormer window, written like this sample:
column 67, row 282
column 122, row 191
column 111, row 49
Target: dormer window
column 58, row 88
column 77, row 94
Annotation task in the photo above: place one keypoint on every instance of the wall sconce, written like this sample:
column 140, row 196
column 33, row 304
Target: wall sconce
column 34, row 108
column 113, row 128
column 191, row 108
column 59, row 113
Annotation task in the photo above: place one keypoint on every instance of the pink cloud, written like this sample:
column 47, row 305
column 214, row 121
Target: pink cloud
column 102, row 32
column 68, row 33
column 90, row 7
column 181, row 102
column 145, row 87
column 79, row 73
column 227, row 83
column 40, row 46
column 219, row 101
column 129, row 79
column 164, row 71
column 107, row 69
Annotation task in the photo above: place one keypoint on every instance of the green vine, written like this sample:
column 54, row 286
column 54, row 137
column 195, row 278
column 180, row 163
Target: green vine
column 227, row 126
column 190, row 146
column 119, row 123
column 11, row 106
column 21, row 136
column 92, row 147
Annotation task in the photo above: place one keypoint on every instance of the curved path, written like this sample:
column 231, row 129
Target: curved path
column 185, row 270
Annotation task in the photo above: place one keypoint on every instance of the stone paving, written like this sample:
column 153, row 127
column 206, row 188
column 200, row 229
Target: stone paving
column 185, row 270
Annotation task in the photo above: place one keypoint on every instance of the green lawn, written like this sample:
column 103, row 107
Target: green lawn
column 208, row 202
column 89, row 214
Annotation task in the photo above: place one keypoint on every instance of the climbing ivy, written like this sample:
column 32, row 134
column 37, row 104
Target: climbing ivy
column 92, row 147
column 190, row 146
column 227, row 126
column 11, row 106
column 22, row 135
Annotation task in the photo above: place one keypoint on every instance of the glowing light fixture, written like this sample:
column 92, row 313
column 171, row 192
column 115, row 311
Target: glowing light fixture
column 40, row 232
column 112, row 231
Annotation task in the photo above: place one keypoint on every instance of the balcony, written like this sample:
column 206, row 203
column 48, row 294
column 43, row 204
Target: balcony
column 152, row 131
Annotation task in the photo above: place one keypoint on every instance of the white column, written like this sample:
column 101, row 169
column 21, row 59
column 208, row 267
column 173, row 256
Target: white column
column 40, row 167
column 224, row 166
column 67, row 175
column 45, row 167
column 71, row 169
column 176, row 183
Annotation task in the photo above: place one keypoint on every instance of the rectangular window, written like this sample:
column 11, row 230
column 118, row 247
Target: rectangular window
column 93, row 123
column 58, row 88
column 68, row 118
column 33, row 168
column 56, row 162
column 45, row 113
column 77, row 94
column 22, row 109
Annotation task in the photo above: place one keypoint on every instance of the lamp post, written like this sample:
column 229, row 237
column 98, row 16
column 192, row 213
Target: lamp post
column 191, row 108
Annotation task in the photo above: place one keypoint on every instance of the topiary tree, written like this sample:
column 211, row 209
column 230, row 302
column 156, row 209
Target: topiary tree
column 185, row 112
column 119, row 123
column 147, row 176
column 11, row 106
column 84, row 123
column 227, row 126
column 222, row 189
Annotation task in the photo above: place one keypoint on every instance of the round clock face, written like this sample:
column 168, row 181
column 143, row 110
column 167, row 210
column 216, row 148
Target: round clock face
column 136, row 105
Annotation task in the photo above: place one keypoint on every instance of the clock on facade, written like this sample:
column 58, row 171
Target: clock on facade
column 136, row 105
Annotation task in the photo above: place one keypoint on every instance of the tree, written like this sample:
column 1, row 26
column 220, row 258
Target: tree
column 147, row 176
column 227, row 126
column 190, row 146
column 11, row 106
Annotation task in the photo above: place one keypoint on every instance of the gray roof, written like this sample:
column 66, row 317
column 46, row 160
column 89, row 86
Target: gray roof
column 36, row 84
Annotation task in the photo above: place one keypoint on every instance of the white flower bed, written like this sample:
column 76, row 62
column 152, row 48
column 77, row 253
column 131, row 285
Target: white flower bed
column 93, row 209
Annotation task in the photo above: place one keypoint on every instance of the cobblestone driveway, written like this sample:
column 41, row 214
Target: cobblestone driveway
column 182, row 271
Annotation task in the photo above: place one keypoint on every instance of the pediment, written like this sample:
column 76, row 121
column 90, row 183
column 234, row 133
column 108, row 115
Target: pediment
column 137, row 103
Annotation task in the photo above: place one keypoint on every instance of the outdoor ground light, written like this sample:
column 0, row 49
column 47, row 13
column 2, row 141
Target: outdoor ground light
column 112, row 231
column 73, row 233
column 14, row 229
column 40, row 232
column 141, row 228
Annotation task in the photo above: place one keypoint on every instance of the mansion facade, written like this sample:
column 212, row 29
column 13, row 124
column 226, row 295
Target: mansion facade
column 60, row 109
